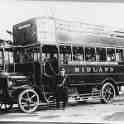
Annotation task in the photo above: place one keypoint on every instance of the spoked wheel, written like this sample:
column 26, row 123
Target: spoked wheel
column 28, row 100
column 107, row 93
column 5, row 107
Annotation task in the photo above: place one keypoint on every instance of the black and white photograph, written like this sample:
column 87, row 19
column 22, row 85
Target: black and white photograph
column 61, row 61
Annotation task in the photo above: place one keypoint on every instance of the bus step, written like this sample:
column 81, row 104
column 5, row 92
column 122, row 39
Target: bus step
column 90, row 94
column 43, row 103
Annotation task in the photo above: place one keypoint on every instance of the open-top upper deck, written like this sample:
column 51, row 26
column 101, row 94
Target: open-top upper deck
column 49, row 30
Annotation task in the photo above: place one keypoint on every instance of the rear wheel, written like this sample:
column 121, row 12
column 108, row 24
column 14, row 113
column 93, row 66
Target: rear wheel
column 107, row 93
column 28, row 100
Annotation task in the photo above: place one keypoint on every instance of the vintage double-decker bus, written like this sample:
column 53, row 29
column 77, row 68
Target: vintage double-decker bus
column 93, row 60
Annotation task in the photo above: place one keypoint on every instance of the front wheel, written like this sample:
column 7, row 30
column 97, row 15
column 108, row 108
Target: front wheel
column 107, row 93
column 28, row 100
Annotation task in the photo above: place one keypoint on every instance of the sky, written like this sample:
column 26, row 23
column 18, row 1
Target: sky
column 98, row 13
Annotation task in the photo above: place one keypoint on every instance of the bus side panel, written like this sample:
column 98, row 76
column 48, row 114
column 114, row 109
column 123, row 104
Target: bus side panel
column 24, row 68
column 93, row 74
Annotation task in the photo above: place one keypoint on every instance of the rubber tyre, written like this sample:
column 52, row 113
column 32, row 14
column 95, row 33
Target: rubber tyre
column 28, row 100
column 107, row 93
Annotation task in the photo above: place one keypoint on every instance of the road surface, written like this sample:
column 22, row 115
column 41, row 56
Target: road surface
column 92, row 111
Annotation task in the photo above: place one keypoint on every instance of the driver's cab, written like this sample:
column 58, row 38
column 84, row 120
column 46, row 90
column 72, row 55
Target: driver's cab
column 33, row 60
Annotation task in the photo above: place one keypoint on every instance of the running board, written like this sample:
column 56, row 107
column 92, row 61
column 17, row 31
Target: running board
column 81, row 97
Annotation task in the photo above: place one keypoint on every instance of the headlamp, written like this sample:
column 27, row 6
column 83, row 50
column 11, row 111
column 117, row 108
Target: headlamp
column 10, row 83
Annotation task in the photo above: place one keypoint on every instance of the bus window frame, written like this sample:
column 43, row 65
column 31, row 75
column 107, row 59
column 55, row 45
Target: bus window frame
column 122, row 59
column 104, row 50
column 8, row 50
column 111, row 55
column 81, row 54
column 44, row 58
column 83, row 47
column 65, row 45
column 86, row 47
column 25, row 50
column 3, row 57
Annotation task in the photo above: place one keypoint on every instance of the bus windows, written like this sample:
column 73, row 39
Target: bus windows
column 111, row 54
column 47, row 50
column 1, row 57
column 9, row 56
column 19, row 55
column 100, row 54
column 78, row 54
column 90, row 54
column 119, row 55
column 27, row 54
column 65, row 54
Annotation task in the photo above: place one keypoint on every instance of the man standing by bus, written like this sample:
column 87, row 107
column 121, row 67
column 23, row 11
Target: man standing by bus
column 61, row 91
column 56, row 81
